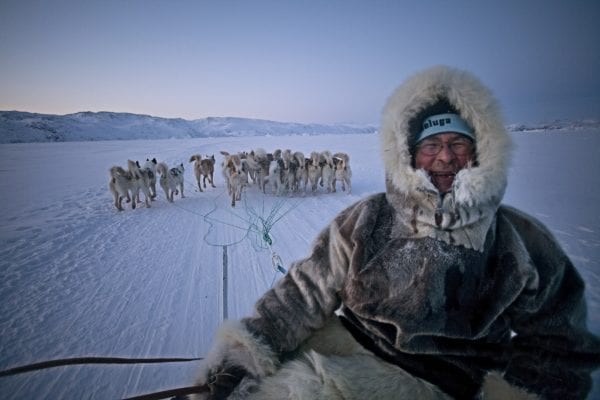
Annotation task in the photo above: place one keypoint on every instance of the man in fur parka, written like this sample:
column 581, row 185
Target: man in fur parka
column 431, row 290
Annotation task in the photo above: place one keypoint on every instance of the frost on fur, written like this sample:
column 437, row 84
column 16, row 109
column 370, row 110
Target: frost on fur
column 235, row 345
column 484, row 182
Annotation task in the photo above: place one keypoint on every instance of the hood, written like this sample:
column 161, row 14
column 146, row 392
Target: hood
column 478, row 189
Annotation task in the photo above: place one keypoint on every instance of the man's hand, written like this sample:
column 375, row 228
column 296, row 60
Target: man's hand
column 223, row 380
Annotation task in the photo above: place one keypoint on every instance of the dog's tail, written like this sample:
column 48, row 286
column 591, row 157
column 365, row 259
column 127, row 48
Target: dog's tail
column 260, row 153
column 196, row 157
column 327, row 158
column 116, row 171
column 252, row 163
column 342, row 156
column 162, row 168
column 133, row 166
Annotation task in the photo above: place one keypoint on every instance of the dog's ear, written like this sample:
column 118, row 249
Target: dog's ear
column 138, row 164
column 154, row 160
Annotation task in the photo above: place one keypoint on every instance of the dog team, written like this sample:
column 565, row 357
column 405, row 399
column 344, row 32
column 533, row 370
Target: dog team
column 283, row 170
column 286, row 171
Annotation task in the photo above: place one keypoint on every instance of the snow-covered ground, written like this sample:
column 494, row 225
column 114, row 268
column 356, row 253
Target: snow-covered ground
column 79, row 278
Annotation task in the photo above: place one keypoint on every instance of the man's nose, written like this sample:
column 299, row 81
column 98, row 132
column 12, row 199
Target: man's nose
column 446, row 154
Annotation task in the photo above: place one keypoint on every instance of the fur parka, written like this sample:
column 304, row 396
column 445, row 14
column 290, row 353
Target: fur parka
column 459, row 290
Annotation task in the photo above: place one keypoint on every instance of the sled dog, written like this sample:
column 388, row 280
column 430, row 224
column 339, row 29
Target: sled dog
column 276, row 176
column 327, row 170
column 140, row 182
column 232, row 171
column 343, row 173
column 204, row 168
column 120, row 186
column 264, row 160
column 313, row 170
column 171, row 180
column 253, row 166
column 150, row 167
column 300, row 176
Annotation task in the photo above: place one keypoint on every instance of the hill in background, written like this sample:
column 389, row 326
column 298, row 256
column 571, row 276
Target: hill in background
column 25, row 127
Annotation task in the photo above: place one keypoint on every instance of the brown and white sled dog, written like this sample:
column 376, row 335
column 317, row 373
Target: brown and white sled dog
column 234, row 176
column 343, row 172
column 204, row 168
column 121, row 186
column 171, row 180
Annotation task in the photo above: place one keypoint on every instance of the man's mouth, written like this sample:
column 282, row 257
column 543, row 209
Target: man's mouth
column 443, row 180
column 444, row 174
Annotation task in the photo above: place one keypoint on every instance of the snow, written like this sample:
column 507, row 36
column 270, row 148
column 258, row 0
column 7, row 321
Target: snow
column 80, row 278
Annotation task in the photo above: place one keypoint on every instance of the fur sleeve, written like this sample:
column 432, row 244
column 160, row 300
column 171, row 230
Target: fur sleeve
column 553, row 351
column 309, row 294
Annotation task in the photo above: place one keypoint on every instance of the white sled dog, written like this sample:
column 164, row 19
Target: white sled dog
column 327, row 170
column 313, row 170
column 150, row 167
column 233, row 173
column 276, row 176
column 204, row 168
column 264, row 160
column 300, row 177
column 171, row 180
column 343, row 172
column 141, row 182
column 120, row 186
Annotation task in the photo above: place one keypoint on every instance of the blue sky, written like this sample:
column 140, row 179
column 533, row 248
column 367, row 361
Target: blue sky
column 292, row 61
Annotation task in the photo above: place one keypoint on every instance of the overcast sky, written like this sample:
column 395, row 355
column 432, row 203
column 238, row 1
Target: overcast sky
column 292, row 61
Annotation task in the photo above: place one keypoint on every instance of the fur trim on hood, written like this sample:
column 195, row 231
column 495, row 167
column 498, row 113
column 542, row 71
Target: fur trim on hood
column 478, row 189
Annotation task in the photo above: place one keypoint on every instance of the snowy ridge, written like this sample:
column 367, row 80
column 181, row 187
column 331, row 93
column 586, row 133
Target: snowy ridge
column 24, row 127
column 556, row 125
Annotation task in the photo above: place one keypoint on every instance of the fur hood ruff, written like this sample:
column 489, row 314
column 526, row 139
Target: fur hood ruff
column 478, row 189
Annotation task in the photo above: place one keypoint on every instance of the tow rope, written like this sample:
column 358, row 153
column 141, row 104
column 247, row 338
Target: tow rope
column 172, row 393
column 89, row 360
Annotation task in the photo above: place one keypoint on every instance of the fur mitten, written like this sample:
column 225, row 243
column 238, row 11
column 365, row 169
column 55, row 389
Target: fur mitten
column 236, row 354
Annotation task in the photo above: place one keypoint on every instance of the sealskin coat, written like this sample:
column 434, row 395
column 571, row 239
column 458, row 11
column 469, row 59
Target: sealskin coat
column 458, row 290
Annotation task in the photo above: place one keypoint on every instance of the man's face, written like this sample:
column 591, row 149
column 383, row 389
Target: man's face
column 442, row 156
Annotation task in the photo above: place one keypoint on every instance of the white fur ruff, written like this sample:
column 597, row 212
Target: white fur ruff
column 477, row 190
column 333, row 366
